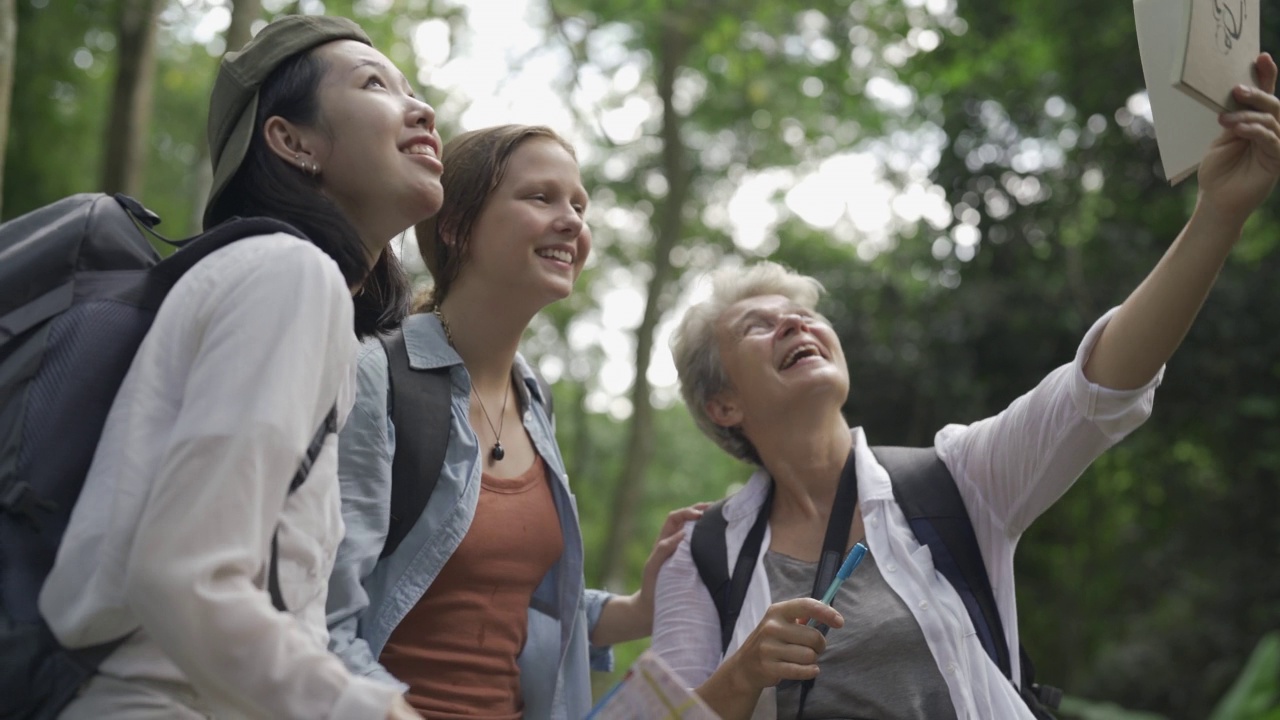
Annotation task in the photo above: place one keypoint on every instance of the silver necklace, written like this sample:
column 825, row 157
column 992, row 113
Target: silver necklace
column 497, row 453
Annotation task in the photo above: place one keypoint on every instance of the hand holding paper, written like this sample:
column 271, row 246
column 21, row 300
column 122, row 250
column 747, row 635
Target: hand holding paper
column 1243, row 163
column 1193, row 53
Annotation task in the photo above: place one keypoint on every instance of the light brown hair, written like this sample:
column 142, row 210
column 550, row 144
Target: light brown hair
column 474, row 164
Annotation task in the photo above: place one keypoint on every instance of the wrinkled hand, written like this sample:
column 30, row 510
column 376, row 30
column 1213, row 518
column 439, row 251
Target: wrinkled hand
column 782, row 647
column 1240, row 168
column 669, row 538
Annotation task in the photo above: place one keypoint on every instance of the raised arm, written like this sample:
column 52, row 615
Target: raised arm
column 1237, row 174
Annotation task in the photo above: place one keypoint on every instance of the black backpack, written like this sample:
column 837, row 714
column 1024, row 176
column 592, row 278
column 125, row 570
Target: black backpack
column 419, row 404
column 927, row 494
column 79, row 288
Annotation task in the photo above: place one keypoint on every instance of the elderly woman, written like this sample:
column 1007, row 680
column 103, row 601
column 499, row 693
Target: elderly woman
column 765, row 377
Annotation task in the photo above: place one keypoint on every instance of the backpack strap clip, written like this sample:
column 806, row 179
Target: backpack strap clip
column 20, row 500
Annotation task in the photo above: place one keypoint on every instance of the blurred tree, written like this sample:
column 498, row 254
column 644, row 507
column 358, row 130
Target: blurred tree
column 56, row 121
column 729, row 89
column 130, row 115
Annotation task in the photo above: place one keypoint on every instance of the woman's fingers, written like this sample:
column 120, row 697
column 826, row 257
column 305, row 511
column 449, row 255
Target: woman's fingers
column 1256, row 100
column 794, row 671
column 1267, row 73
column 1251, row 117
column 676, row 519
column 801, row 610
column 800, row 650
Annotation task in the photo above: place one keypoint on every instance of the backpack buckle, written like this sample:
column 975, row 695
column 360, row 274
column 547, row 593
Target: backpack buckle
column 20, row 500
column 1048, row 695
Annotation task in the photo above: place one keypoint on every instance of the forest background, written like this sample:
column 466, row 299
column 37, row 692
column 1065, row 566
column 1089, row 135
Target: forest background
column 974, row 181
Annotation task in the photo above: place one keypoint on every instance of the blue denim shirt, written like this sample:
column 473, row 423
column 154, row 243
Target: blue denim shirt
column 369, row 597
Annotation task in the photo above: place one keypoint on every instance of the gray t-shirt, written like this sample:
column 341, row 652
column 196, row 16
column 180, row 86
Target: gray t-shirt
column 877, row 667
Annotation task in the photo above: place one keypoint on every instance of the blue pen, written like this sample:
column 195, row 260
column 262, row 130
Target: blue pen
column 846, row 569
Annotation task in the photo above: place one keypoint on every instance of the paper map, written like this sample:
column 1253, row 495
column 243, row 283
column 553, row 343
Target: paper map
column 650, row 691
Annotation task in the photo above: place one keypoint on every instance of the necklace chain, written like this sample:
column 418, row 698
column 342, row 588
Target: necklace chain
column 497, row 453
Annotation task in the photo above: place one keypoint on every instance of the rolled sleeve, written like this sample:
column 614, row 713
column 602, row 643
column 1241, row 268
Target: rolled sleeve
column 1016, row 464
column 1115, row 412
column 593, row 602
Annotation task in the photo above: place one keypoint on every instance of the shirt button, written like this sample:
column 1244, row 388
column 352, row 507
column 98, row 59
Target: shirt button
column 951, row 668
column 924, row 604
column 891, row 567
column 874, row 523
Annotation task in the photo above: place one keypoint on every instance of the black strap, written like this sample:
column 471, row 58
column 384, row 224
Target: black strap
column 329, row 425
column 420, row 411
column 928, row 496
column 162, row 277
column 711, row 556
column 836, row 542
column 834, row 546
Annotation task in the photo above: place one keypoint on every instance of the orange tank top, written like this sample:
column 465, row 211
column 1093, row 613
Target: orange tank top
column 457, row 648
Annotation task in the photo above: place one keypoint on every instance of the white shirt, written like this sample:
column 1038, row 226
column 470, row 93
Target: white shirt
column 172, row 531
column 1009, row 469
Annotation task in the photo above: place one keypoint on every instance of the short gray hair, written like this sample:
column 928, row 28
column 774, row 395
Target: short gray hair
column 697, row 354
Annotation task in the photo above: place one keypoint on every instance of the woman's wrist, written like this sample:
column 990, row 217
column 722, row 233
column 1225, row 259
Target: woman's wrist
column 623, row 618
column 729, row 692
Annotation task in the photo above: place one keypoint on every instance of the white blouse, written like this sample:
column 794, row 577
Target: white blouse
column 172, row 532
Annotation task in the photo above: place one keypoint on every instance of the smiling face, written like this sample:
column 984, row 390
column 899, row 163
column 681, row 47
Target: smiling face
column 375, row 143
column 775, row 353
column 530, row 239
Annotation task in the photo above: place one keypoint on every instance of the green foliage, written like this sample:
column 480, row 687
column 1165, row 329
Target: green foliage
column 1255, row 695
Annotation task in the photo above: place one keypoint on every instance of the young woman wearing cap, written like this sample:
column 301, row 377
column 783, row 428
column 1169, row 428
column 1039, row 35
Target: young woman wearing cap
column 190, row 488
column 480, row 610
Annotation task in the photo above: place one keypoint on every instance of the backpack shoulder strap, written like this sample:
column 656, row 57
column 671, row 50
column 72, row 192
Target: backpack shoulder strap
column 163, row 276
column 420, row 410
column 927, row 494
column 328, row 425
column 711, row 557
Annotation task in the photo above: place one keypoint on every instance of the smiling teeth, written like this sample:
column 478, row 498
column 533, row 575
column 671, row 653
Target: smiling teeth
column 561, row 255
column 793, row 356
column 420, row 149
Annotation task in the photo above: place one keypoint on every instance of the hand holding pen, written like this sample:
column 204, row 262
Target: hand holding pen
column 783, row 646
column 851, row 562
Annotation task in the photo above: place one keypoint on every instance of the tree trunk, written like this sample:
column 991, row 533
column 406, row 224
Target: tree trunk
column 126, row 140
column 8, row 41
column 670, row 220
column 243, row 13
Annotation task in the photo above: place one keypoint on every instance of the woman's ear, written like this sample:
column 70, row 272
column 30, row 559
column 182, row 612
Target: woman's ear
column 290, row 143
column 724, row 411
column 447, row 238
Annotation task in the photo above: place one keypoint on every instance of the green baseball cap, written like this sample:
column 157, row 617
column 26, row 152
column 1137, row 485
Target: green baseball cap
column 234, row 103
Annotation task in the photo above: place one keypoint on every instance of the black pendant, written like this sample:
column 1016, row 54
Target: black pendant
column 497, row 453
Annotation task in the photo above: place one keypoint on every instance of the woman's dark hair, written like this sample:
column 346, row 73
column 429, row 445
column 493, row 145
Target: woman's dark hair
column 266, row 185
